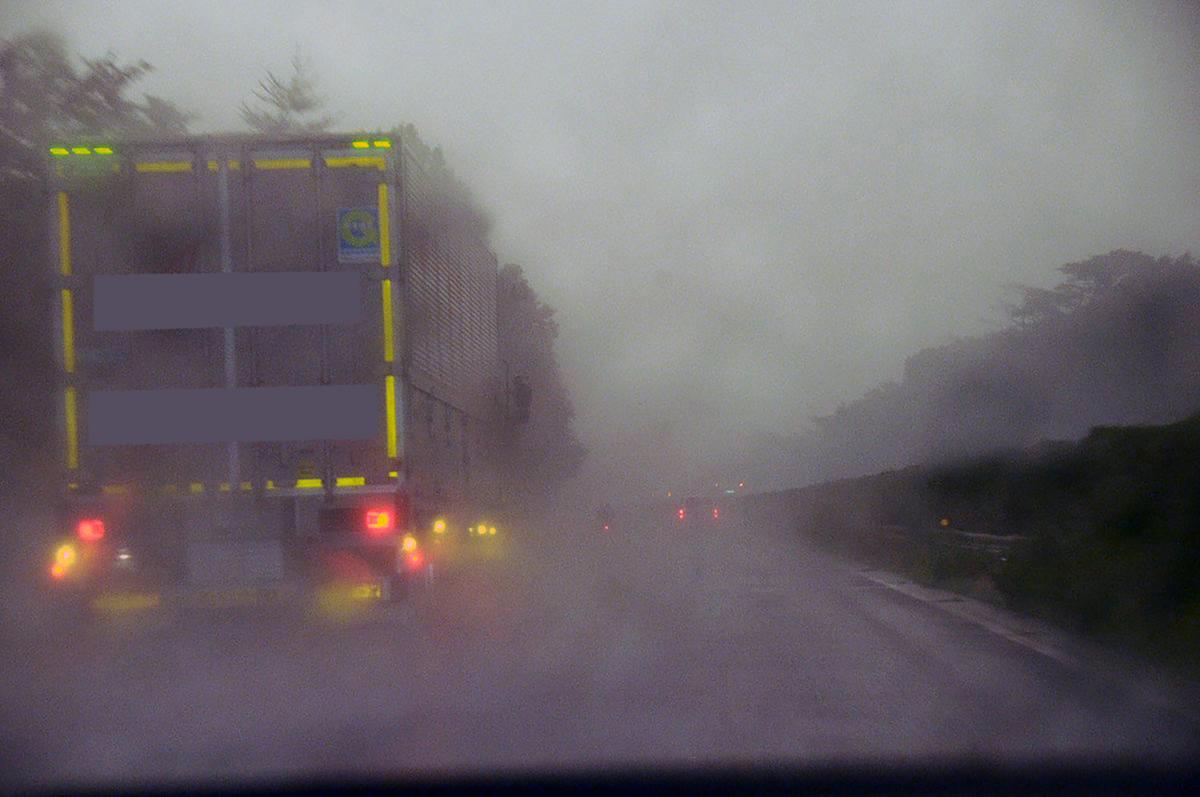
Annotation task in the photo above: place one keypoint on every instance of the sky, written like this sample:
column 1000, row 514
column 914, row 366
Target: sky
column 744, row 213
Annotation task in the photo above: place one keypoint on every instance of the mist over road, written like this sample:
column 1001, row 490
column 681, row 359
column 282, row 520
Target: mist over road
column 653, row 645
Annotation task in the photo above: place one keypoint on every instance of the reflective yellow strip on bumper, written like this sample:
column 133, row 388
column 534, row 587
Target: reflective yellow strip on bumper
column 68, row 331
column 385, row 227
column 308, row 483
column 126, row 602
column 390, row 408
column 64, row 234
column 72, row 431
column 350, row 481
column 389, row 343
column 368, row 161
column 163, row 167
column 283, row 163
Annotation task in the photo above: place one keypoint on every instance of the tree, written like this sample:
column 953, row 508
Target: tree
column 1115, row 342
column 543, row 451
column 289, row 107
column 43, row 95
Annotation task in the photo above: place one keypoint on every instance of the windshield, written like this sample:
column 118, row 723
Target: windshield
column 432, row 390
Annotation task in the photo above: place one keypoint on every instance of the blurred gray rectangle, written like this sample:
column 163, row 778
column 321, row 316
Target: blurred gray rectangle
column 234, row 561
column 193, row 301
column 241, row 415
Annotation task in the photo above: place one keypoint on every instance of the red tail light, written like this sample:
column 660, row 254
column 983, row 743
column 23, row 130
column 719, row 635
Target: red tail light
column 716, row 513
column 379, row 521
column 680, row 514
column 90, row 530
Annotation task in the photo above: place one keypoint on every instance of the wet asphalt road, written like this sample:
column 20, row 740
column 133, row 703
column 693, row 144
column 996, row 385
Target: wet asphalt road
column 652, row 645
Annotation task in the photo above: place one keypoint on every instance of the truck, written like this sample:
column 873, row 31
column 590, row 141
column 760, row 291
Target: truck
column 279, row 367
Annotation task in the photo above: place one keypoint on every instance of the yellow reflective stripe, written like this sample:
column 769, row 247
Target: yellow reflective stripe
column 246, row 486
column 225, row 487
column 389, row 399
column 350, row 481
column 195, row 487
column 389, row 344
column 64, row 234
column 68, row 331
column 385, row 227
column 308, row 483
column 283, row 163
column 125, row 602
column 394, row 474
column 212, row 166
column 72, row 431
column 371, row 161
column 163, row 166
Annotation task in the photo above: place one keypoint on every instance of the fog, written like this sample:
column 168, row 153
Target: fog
column 643, row 649
column 745, row 215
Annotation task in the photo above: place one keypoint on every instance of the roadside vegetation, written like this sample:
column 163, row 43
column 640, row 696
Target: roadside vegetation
column 1101, row 536
column 1053, row 475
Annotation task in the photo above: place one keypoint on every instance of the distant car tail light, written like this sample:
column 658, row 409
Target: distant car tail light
column 439, row 526
column 716, row 513
column 680, row 513
column 90, row 530
column 379, row 521
column 409, row 543
column 414, row 560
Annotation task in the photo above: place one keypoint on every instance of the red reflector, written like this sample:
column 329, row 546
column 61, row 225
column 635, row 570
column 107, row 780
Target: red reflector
column 379, row 520
column 90, row 530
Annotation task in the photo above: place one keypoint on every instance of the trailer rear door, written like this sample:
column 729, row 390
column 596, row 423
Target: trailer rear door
column 228, row 316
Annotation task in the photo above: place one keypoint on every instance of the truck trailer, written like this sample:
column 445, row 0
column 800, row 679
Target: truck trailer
column 279, row 366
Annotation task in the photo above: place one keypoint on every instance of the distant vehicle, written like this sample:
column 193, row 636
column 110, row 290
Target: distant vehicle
column 697, row 510
column 605, row 517
column 261, row 387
